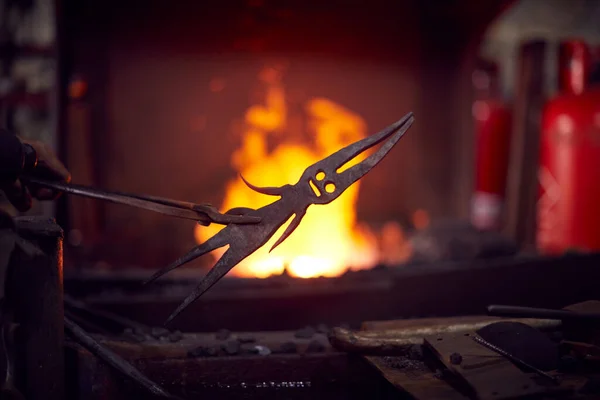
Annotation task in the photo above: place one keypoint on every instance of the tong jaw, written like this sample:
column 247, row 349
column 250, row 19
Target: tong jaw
column 338, row 182
column 321, row 183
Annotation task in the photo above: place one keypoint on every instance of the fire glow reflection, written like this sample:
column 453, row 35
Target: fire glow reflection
column 329, row 239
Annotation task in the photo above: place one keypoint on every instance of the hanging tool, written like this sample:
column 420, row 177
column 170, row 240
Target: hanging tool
column 321, row 183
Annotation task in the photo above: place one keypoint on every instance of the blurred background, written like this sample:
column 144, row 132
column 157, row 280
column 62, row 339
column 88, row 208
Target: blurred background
column 177, row 98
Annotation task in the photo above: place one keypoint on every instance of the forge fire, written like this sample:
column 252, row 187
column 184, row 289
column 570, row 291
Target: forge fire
column 330, row 239
column 321, row 183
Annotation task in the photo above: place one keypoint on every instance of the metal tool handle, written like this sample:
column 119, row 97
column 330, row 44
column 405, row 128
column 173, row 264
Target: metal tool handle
column 121, row 198
column 542, row 313
column 202, row 214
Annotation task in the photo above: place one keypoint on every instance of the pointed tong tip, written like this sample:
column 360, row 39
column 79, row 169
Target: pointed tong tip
column 269, row 191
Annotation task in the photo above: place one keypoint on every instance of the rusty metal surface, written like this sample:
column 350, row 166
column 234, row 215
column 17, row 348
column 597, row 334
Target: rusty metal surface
column 244, row 240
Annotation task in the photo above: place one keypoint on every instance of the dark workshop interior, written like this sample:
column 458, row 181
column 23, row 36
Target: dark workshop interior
column 464, row 265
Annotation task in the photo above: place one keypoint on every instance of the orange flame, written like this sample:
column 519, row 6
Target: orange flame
column 328, row 240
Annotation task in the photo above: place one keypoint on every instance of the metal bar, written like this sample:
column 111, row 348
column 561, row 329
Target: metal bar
column 114, row 360
column 203, row 214
column 121, row 198
column 543, row 313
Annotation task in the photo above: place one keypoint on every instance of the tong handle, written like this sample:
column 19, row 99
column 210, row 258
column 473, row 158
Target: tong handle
column 202, row 214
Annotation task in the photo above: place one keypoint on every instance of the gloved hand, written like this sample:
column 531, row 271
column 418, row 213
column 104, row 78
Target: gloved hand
column 48, row 167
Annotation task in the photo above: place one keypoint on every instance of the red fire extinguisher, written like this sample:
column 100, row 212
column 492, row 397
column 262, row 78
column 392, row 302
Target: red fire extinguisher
column 492, row 134
column 568, row 210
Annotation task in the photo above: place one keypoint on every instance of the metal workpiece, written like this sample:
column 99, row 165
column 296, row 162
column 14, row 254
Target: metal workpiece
column 321, row 183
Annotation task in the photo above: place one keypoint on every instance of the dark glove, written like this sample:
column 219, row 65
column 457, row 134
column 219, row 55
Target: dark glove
column 15, row 158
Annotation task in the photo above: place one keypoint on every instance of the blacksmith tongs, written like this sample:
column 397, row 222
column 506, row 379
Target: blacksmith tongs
column 204, row 214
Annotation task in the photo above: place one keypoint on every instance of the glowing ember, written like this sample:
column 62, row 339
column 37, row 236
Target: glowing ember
column 328, row 240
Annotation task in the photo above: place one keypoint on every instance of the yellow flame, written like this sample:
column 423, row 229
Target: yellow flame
column 328, row 240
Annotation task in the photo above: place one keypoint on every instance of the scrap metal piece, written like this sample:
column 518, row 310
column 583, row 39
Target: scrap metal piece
column 321, row 183
column 115, row 361
column 204, row 214
column 514, row 359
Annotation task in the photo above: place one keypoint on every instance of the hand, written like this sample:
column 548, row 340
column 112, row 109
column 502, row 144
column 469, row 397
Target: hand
column 49, row 167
